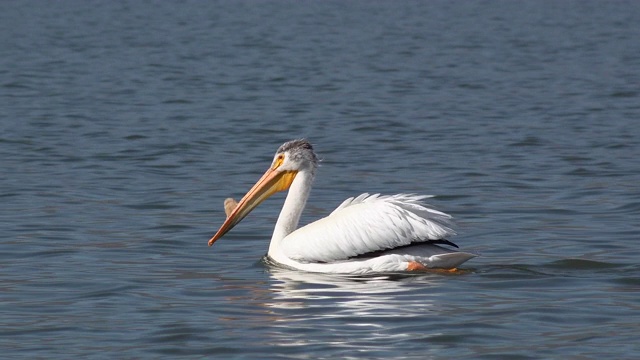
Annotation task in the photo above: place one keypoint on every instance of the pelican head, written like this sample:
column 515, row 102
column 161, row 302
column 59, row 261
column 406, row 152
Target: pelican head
column 292, row 157
column 296, row 155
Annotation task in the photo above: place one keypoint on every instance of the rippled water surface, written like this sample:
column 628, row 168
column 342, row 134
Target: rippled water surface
column 124, row 125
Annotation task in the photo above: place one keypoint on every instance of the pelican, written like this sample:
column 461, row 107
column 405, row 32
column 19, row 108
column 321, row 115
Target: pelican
column 366, row 234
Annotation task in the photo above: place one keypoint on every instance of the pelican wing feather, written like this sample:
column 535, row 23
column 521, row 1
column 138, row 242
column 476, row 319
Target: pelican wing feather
column 368, row 223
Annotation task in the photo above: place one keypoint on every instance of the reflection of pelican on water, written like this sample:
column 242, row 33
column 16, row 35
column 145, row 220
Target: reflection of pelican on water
column 366, row 234
column 293, row 289
column 363, row 317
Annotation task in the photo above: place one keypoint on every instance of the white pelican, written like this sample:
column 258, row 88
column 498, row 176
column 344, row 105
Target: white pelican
column 365, row 234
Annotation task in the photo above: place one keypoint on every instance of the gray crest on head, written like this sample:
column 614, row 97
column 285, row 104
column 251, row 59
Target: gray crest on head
column 300, row 149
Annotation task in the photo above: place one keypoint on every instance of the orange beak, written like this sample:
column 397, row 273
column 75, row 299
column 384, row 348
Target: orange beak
column 271, row 182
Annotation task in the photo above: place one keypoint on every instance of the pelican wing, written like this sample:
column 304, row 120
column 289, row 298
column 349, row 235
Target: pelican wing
column 365, row 224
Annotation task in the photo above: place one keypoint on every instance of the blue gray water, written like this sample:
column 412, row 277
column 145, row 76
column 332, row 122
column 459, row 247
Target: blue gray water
column 124, row 125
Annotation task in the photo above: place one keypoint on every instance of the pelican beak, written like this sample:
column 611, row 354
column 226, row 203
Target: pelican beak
column 271, row 182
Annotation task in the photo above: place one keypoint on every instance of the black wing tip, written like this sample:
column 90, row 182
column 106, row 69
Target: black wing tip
column 444, row 242
column 375, row 253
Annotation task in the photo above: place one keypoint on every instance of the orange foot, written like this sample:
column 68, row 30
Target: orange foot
column 416, row 266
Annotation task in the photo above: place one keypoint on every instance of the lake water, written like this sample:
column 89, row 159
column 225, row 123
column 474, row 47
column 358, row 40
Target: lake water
column 124, row 125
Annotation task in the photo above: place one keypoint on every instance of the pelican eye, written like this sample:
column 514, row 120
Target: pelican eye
column 278, row 161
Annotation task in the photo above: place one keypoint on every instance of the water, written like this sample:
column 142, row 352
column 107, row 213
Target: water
column 124, row 125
